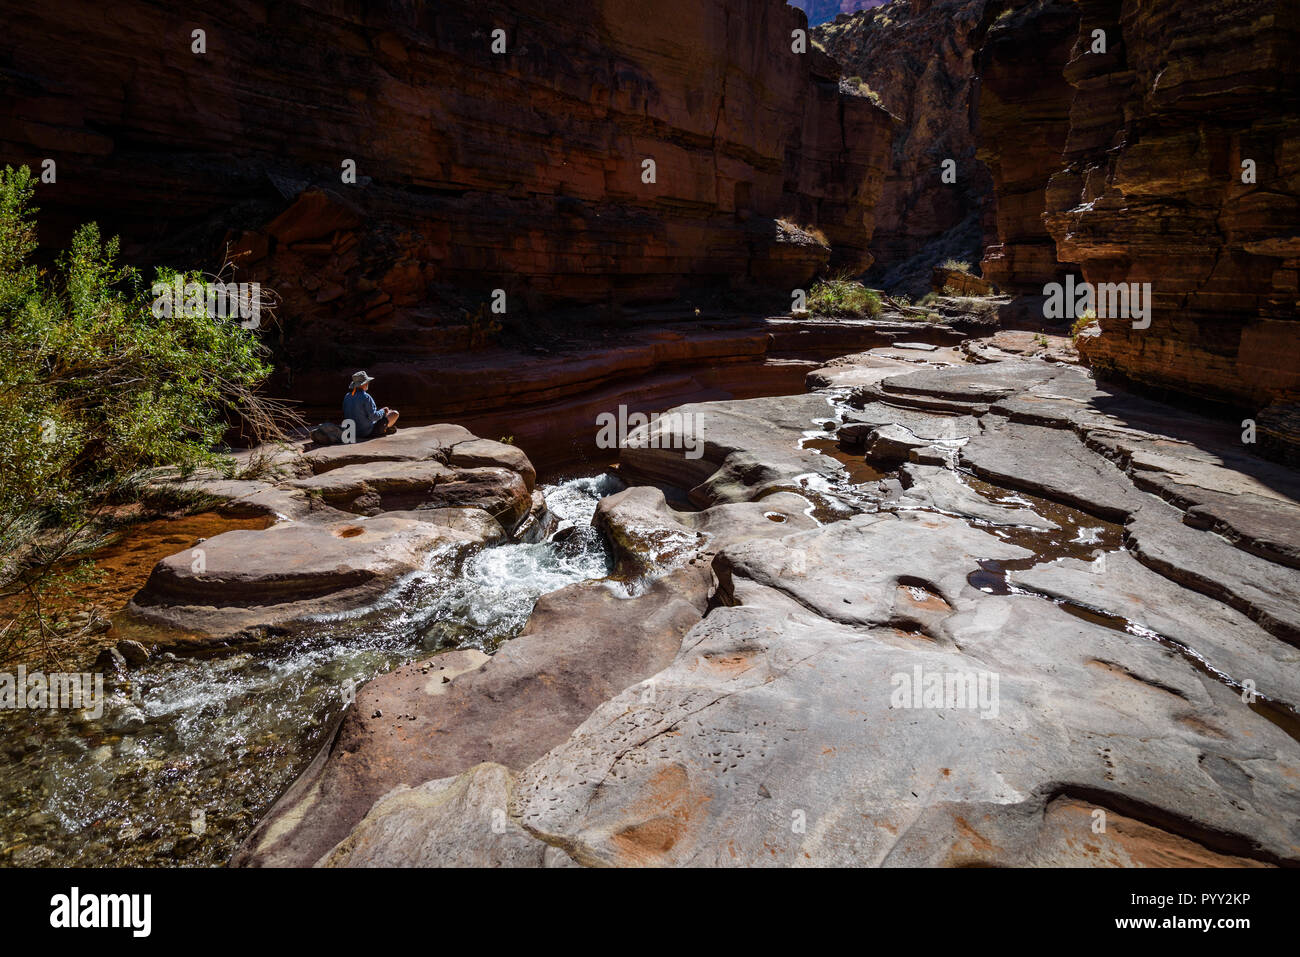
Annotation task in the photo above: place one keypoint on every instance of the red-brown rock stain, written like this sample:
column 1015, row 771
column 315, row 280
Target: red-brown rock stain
column 664, row 817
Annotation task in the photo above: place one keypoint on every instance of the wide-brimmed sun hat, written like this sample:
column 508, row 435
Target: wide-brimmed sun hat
column 360, row 378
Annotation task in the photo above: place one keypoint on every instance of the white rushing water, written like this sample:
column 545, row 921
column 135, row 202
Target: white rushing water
column 193, row 750
column 493, row 594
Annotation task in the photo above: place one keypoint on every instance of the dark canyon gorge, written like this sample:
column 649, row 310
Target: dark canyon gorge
column 734, row 412
column 1167, row 156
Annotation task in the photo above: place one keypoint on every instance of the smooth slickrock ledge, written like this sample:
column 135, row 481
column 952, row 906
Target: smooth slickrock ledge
column 582, row 645
column 765, row 727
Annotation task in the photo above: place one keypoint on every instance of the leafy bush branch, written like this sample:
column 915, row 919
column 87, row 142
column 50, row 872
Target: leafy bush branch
column 95, row 392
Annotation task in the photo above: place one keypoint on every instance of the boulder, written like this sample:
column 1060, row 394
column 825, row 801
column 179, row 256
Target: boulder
column 891, row 444
column 110, row 661
column 650, row 537
column 859, row 424
column 405, row 445
column 133, row 652
column 481, row 453
column 383, row 486
column 475, row 523
column 745, row 448
column 294, row 570
column 957, row 282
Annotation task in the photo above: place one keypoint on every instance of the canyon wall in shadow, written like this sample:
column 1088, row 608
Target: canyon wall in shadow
column 476, row 170
column 1023, row 119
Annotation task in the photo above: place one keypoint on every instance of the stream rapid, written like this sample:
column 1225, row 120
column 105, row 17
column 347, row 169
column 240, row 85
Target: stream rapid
column 190, row 753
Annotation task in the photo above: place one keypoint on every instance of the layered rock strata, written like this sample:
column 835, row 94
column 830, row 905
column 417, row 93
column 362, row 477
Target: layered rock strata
column 918, row 57
column 350, row 522
column 1180, row 170
column 1023, row 120
column 523, row 170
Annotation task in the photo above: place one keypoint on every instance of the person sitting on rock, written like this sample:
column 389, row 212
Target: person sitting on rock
column 359, row 406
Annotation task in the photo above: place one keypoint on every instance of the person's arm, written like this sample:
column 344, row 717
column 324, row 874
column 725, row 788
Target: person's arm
column 375, row 414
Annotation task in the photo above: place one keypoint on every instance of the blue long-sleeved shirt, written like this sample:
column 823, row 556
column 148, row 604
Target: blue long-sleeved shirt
column 359, row 406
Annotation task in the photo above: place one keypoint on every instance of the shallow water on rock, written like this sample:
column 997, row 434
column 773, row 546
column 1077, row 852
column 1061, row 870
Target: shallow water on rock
column 858, row 470
column 1078, row 535
column 190, row 752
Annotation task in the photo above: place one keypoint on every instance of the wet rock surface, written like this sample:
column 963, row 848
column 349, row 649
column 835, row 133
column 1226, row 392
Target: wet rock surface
column 226, row 724
column 582, row 645
column 1091, row 595
column 243, row 579
column 743, row 447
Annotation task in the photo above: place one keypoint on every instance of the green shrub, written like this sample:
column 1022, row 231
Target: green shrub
column 957, row 265
column 97, row 390
column 842, row 296
column 1088, row 318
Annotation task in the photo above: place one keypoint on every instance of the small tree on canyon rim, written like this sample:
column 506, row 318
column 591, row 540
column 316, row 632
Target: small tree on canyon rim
column 97, row 391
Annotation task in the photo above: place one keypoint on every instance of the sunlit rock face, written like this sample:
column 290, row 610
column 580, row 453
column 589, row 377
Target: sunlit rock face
column 523, row 170
column 1182, row 170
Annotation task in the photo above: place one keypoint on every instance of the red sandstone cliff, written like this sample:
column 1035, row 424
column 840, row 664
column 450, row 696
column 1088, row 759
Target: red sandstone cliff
column 918, row 57
column 1122, row 166
column 1150, row 189
column 475, row 170
column 1023, row 120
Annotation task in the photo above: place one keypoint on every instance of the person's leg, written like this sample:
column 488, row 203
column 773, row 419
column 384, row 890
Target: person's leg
column 392, row 419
